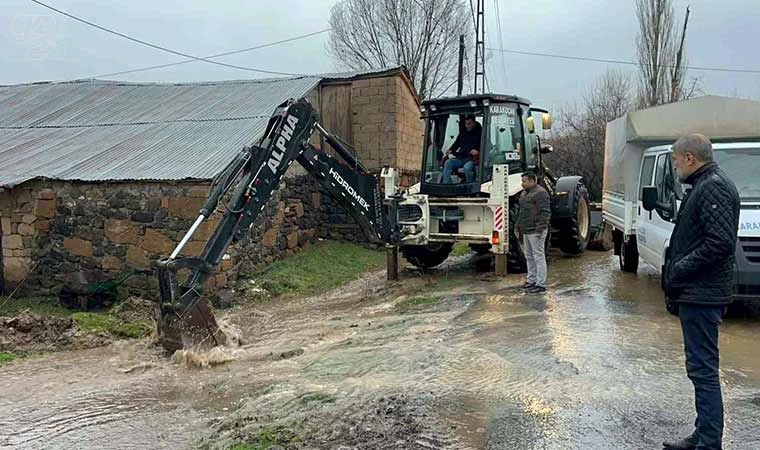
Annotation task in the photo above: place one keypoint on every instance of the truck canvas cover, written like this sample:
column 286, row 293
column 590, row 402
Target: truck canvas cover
column 723, row 119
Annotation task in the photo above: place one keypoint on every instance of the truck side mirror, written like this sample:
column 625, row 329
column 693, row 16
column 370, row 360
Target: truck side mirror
column 649, row 197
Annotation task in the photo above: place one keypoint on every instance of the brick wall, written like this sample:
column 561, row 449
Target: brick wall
column 387, row 129
column 374, row 126
column 410, row 129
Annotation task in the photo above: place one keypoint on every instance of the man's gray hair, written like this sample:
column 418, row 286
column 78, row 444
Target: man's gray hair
column 696, row 144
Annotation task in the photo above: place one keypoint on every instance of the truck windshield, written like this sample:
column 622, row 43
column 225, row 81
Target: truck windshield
column 741, row 164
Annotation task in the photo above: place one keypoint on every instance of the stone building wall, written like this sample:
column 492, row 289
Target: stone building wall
column 57, row 234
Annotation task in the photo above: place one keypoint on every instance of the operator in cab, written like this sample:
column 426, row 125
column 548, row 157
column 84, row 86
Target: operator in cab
column 464, row 152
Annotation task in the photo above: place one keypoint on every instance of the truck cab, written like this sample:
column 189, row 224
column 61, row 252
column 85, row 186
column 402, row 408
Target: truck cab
column 740, row 161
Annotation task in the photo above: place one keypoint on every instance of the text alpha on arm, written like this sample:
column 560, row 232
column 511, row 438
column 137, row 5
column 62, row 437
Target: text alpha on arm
column 281, row 144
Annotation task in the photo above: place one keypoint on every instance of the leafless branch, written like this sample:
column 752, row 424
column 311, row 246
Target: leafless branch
column 580, row 141
column 422, row 35
column 661, row 54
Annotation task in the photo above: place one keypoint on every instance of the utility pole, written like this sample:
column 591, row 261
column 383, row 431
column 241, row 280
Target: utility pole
column 480, row 49
column 460, row 80
column 675, row 92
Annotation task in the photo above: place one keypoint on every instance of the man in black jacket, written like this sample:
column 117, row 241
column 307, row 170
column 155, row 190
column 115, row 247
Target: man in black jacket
column 698, row 278
column 464, row 152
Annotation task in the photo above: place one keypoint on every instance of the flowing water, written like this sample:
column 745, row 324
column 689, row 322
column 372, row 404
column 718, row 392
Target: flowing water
column 595, row 363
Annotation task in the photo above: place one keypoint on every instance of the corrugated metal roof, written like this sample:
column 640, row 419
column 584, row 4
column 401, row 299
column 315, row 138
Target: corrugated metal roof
column 104, row 130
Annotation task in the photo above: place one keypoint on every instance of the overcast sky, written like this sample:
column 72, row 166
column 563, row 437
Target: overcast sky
column 721, row 34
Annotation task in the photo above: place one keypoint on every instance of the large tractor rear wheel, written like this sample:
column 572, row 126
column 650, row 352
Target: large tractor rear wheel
column 575, row 231
column 427, row 256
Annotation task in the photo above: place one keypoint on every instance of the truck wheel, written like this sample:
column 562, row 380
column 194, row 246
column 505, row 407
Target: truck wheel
column 629, row 256
column 575, row 232
column 427, row 256
column 516, row 256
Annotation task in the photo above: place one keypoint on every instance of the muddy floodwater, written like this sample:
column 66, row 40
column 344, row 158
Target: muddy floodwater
column 449, row 359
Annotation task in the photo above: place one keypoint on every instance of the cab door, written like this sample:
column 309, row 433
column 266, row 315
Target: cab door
column 644, row 218
column 661, row 221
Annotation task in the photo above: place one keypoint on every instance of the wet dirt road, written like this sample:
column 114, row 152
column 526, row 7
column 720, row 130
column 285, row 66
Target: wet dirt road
column 444, row 360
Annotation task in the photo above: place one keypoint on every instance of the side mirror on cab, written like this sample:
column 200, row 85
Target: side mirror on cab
column 546, row 121
column 531, row 125
column 649, row 198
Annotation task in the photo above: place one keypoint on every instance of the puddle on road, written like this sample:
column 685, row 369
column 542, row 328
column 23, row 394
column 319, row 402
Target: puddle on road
column 594, row 363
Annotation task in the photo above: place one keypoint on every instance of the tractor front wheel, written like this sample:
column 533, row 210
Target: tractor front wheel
column 427, row 256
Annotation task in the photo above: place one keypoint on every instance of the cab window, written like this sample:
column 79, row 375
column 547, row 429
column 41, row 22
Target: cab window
column 647, row 168
column 443, row 130
column 665, row 179
column 504, row 136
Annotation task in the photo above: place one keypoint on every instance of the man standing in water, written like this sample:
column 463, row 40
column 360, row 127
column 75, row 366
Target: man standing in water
column 533, row 223
column 698, row 278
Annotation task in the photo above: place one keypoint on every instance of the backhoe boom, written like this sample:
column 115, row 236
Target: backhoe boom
column 253, row 176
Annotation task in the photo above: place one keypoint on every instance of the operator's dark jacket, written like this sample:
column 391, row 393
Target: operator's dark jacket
column 699, row 264
column 467, row 141
column 535, row 211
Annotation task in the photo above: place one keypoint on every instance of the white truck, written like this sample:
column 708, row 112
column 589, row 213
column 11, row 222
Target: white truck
column 638, row 154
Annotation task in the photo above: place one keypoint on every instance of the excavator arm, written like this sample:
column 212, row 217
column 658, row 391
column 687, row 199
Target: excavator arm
column 247, row 183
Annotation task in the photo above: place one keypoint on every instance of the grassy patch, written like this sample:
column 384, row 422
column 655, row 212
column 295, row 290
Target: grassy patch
column 44, row 306
column 6, row 357
column 461, row 249
column 267, row 438
column 415, row 303
column 104, row 322
column 321, row 267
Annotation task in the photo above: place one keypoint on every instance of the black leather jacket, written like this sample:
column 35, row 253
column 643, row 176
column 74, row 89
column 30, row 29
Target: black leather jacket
column 699, row 263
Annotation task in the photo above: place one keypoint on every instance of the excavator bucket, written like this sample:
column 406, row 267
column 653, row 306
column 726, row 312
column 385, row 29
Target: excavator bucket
column 194, row 328
column 185, row 319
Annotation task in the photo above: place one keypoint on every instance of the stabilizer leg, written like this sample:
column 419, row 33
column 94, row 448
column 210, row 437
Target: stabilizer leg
column 391, row 256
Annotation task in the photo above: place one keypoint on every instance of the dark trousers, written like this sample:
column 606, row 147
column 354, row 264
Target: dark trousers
column 700, row 337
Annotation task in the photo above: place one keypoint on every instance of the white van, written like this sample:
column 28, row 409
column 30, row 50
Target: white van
column 638, row 154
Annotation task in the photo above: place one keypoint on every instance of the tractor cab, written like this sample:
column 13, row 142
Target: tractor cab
column 508, row 134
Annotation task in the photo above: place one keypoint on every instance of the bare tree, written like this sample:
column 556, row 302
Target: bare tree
column 661, row 56
column 580, row 141
column 423, row 35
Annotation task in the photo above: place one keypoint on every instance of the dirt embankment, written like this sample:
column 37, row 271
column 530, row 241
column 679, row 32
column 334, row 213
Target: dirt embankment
column 28, row 332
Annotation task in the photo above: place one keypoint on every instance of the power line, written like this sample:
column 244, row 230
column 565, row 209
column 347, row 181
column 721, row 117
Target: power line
column 617, row 61
column 501, row 41
column 158, row 47
column 218, row 55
